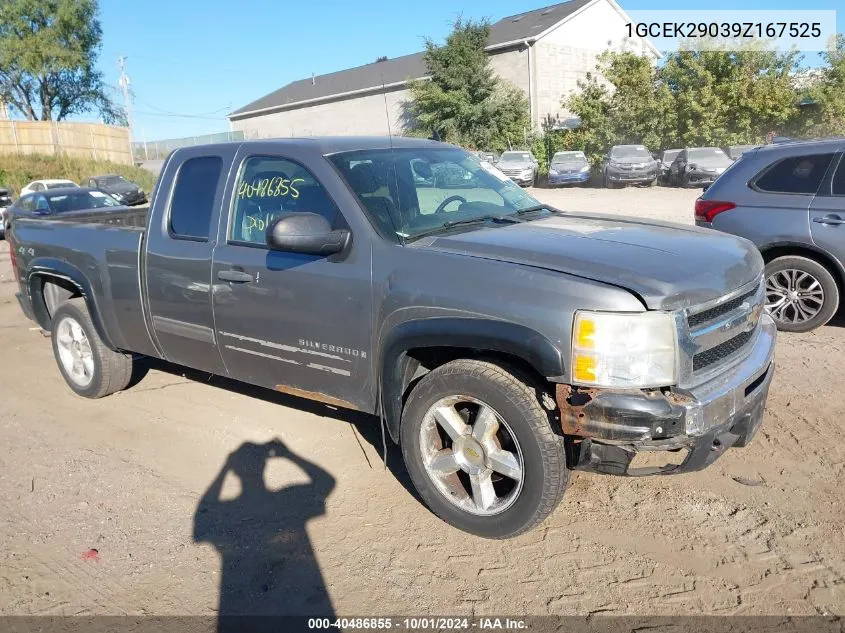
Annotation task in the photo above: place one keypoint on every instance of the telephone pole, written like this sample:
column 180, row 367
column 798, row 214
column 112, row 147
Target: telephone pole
column 127, row 99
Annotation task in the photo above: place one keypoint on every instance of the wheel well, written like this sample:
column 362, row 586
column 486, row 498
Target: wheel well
column 823, row 259
column 51, row 293
column 422, row 360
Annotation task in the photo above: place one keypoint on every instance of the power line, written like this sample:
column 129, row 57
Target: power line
column 182, row 116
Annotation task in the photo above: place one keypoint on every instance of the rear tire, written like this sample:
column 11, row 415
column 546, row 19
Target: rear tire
column 90, row 369
column 801, row 294
column 520, row 456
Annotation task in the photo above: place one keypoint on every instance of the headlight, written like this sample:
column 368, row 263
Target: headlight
column 585, row 168
column 552, row 172
column 635, row 350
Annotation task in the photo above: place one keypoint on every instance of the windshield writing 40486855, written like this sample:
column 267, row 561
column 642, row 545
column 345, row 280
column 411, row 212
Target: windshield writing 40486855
column 269, row 188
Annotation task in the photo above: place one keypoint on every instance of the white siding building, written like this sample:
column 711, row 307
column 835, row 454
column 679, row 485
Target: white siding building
column 544, row 52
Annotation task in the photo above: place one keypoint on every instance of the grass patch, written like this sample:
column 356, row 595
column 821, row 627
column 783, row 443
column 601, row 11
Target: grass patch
column 17, row 171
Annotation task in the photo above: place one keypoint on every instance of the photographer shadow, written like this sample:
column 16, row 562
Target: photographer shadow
column 268, row 566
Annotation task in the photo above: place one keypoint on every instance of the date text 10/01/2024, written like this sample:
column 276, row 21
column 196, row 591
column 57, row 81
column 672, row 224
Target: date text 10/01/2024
column 418, row 624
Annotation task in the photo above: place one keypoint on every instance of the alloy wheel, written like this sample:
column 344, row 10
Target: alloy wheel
column 471, row 455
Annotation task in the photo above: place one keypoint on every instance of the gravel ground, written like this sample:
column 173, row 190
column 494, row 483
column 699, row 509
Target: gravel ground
column 760, row 532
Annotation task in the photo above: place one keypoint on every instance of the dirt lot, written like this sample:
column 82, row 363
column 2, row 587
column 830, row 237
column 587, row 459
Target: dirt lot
column 760, row 532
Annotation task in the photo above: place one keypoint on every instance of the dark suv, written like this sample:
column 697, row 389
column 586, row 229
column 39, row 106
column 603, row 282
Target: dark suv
column 789, row 199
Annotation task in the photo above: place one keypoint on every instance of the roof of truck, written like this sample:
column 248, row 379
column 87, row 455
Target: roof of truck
column 334, row 144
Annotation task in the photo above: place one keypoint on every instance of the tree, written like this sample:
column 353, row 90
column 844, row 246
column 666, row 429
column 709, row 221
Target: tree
column 828, row 93
column 48, row 52
column 727, row 97
column 462, row 101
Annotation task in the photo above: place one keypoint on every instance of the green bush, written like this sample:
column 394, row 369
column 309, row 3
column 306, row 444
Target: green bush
column 16, row 171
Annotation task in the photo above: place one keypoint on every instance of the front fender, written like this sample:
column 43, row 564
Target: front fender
column 482, row 334
column 49, row 267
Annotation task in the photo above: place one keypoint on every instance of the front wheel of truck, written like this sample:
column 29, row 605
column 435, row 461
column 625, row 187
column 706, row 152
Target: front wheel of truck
column 90, row 368
column 481, row 451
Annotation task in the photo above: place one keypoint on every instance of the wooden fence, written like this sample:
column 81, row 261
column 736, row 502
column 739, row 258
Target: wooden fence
column 85, row 140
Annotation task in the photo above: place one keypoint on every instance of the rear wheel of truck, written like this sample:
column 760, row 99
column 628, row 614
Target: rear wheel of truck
column 480, row 449
column 90, row 368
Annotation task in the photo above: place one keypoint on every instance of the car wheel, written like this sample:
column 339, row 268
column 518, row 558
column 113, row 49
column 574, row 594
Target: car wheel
column 480, row 449
column 801, row 294
column 90, row 368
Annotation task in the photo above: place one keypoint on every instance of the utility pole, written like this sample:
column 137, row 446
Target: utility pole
column 127, row 99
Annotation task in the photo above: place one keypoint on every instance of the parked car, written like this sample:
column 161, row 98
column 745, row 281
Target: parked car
column 569, row 168
column 122, row 190
column 519, row 166
column 698, row 166
column 56, row 201
column 44, row 185
column 735, row 151
column 789, row 199
column 629, row 165
column 666, row 159
column 502, row 342
column 5, row 203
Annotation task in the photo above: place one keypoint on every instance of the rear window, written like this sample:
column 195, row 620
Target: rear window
column 796, row 174
column 193, row 198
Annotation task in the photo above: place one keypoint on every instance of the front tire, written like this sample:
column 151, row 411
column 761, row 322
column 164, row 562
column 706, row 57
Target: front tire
column 480, row 450
column 90, row 369
column 801, row 294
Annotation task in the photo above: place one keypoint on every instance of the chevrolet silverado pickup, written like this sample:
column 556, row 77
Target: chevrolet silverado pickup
column 502, row 343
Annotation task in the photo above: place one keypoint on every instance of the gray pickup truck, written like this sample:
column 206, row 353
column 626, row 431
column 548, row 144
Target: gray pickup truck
column 501, row 342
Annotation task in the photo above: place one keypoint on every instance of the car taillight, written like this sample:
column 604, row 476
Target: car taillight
column 708, row 209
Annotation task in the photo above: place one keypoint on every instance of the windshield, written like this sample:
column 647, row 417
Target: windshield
column 411, row 191
column 569, row 157
column 702, row 153
column 670, row 154
column 509, row 157
column 112, row 180
column 61, row 184
column 630, row 151
column 81, row 201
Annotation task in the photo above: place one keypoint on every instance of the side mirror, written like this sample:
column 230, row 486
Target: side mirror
column 306, row 233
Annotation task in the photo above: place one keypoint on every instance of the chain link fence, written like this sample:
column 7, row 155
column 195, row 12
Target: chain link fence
column 158, row 150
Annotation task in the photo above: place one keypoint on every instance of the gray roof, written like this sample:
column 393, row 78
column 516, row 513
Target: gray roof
column 522, row 26
column 332, row 144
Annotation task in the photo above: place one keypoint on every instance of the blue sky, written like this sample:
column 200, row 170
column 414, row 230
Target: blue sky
column 201, row 58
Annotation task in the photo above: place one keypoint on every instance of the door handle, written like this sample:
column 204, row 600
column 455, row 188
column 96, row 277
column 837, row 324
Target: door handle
column 832, row 220
column 237, row 276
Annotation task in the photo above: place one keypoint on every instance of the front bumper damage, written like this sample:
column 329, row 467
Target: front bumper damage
column 683, row 430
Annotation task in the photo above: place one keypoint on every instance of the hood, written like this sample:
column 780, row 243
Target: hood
column 120, row 187
column 632, row 160
column 570, row 164
column 515, row 164
column 710, row 162
column 669, row 266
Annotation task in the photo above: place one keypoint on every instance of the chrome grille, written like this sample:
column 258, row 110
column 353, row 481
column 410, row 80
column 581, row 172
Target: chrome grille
column 719, row 333
column 708, row 315
column 722, row 350
column 510, row 171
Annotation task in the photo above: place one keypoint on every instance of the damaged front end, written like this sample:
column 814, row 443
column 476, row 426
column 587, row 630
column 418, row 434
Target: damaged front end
column 667, row 431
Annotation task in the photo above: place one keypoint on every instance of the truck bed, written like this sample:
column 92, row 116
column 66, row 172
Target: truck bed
column 105, row 247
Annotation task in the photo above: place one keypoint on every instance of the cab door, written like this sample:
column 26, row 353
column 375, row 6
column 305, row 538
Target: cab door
column 180, row 243
column 294, row 322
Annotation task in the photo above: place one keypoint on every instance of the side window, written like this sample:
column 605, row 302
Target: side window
column 38, row 187
column 41, row 203
column 192, row 204
column 27, row 203
column 269, row 186
column 796, row 174
column 839, row 179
